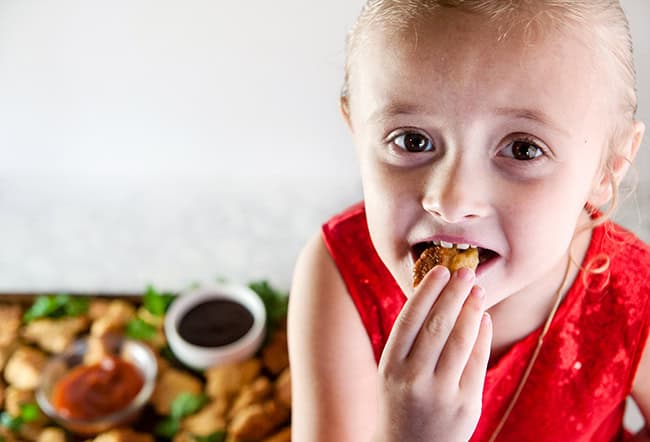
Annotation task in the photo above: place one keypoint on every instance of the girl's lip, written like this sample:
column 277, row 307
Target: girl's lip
column 487, row 265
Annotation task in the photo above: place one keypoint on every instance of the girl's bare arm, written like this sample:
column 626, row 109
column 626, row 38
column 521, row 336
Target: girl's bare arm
column 334, row 376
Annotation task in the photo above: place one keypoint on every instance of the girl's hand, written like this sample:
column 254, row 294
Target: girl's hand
column 432, row 370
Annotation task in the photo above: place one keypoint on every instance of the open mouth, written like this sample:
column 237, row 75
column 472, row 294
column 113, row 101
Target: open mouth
column 484, row 255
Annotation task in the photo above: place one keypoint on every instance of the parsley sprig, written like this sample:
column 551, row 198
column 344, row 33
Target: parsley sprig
column 185, row 404
column 56, row 306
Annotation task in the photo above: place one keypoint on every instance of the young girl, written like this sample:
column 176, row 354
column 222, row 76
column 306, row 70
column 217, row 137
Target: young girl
column 502, row 125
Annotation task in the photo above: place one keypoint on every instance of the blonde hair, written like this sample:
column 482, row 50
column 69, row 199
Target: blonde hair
column 603, row 19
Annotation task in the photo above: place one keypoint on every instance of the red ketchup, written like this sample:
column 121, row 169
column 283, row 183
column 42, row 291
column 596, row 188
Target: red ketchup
column 93, row 391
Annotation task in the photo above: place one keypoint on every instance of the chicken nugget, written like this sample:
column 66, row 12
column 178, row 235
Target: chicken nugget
column 170, row 384
column 24, row 368
column 275, row 354
column 258, row 420
column 54, row 335
column 52, row 434
column 452, row 258
column 228, row 379
column 283, row 388
column 257, row 391
column 284, row 435
column 10, row 318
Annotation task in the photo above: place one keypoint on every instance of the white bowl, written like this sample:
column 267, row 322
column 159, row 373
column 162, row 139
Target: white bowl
column 201, row 357
column 130, row 350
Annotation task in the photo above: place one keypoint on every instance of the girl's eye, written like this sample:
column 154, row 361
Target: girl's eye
column 414, row 142
column 522, row 150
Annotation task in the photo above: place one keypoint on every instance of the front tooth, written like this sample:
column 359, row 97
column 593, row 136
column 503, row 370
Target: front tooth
column 462, row 246
column 446, row 245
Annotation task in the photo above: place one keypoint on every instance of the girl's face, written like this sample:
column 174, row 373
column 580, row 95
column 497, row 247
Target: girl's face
column 468, row 139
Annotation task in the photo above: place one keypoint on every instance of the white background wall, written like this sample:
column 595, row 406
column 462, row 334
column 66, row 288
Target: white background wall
column 168, row 142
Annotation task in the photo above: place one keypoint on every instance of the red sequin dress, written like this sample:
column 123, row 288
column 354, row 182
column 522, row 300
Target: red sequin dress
column 578, row 386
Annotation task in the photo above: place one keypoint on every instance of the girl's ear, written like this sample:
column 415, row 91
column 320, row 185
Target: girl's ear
column 617, row 167
column 344, row 108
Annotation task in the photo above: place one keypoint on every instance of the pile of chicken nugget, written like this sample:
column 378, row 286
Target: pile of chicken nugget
column 248, row 401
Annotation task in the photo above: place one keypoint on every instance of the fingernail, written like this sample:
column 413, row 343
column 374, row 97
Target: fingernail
column 487, row 319
column 479, row 292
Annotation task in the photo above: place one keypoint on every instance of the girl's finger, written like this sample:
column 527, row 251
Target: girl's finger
column 415, row 310
column 473, row 376
column 441, row 320
column 462, row 339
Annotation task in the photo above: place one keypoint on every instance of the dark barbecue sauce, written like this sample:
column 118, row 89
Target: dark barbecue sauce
column 215, row 323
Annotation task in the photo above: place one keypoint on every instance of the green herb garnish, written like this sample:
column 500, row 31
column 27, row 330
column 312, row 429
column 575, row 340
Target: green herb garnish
column 186, row 404
column 275, row 302
column 217, row 436
column 155, row 302
column 56, row 306
column 29, row 412
column 137, row 328
column 167, row 427
column 183, row 405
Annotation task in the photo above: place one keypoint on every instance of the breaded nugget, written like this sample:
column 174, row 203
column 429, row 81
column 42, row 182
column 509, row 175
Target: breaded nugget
column 117, row 314
column 31, row 431
column 10, row 318
column 97, row 348
column 54, row 335
column 226, row 380
column 24, row 368
column 257, row 391
column 275, row 354
column 184, row 436
column 283, row 388
column 123, row 435
column 7, row 435
column 257, row 421
column 98, row 308
column 51, row 434
column 170, row 384
column 284, row 435
column 5, row 352
column 452, row 258
column 210, row 419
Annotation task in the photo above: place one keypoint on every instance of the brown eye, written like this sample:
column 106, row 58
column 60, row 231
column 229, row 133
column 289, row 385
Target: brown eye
column 522, row 151
column 414, row 142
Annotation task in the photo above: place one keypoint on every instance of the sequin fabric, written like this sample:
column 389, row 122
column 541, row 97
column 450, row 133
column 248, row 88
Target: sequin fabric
column 578, row 385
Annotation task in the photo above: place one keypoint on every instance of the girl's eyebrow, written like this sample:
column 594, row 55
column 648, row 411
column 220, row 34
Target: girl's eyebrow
column 534, row 115
column 393, row 109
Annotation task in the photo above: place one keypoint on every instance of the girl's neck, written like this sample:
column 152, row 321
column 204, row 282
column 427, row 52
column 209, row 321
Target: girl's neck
column 524, row 312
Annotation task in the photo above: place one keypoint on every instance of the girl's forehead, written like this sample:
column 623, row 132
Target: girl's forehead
column 459, row 61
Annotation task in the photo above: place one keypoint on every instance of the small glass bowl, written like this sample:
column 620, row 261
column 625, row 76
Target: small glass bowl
column 200, row 358
column 137, row 353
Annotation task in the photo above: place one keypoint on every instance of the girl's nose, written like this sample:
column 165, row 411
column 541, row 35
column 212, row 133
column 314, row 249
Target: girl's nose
column 455, row 196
